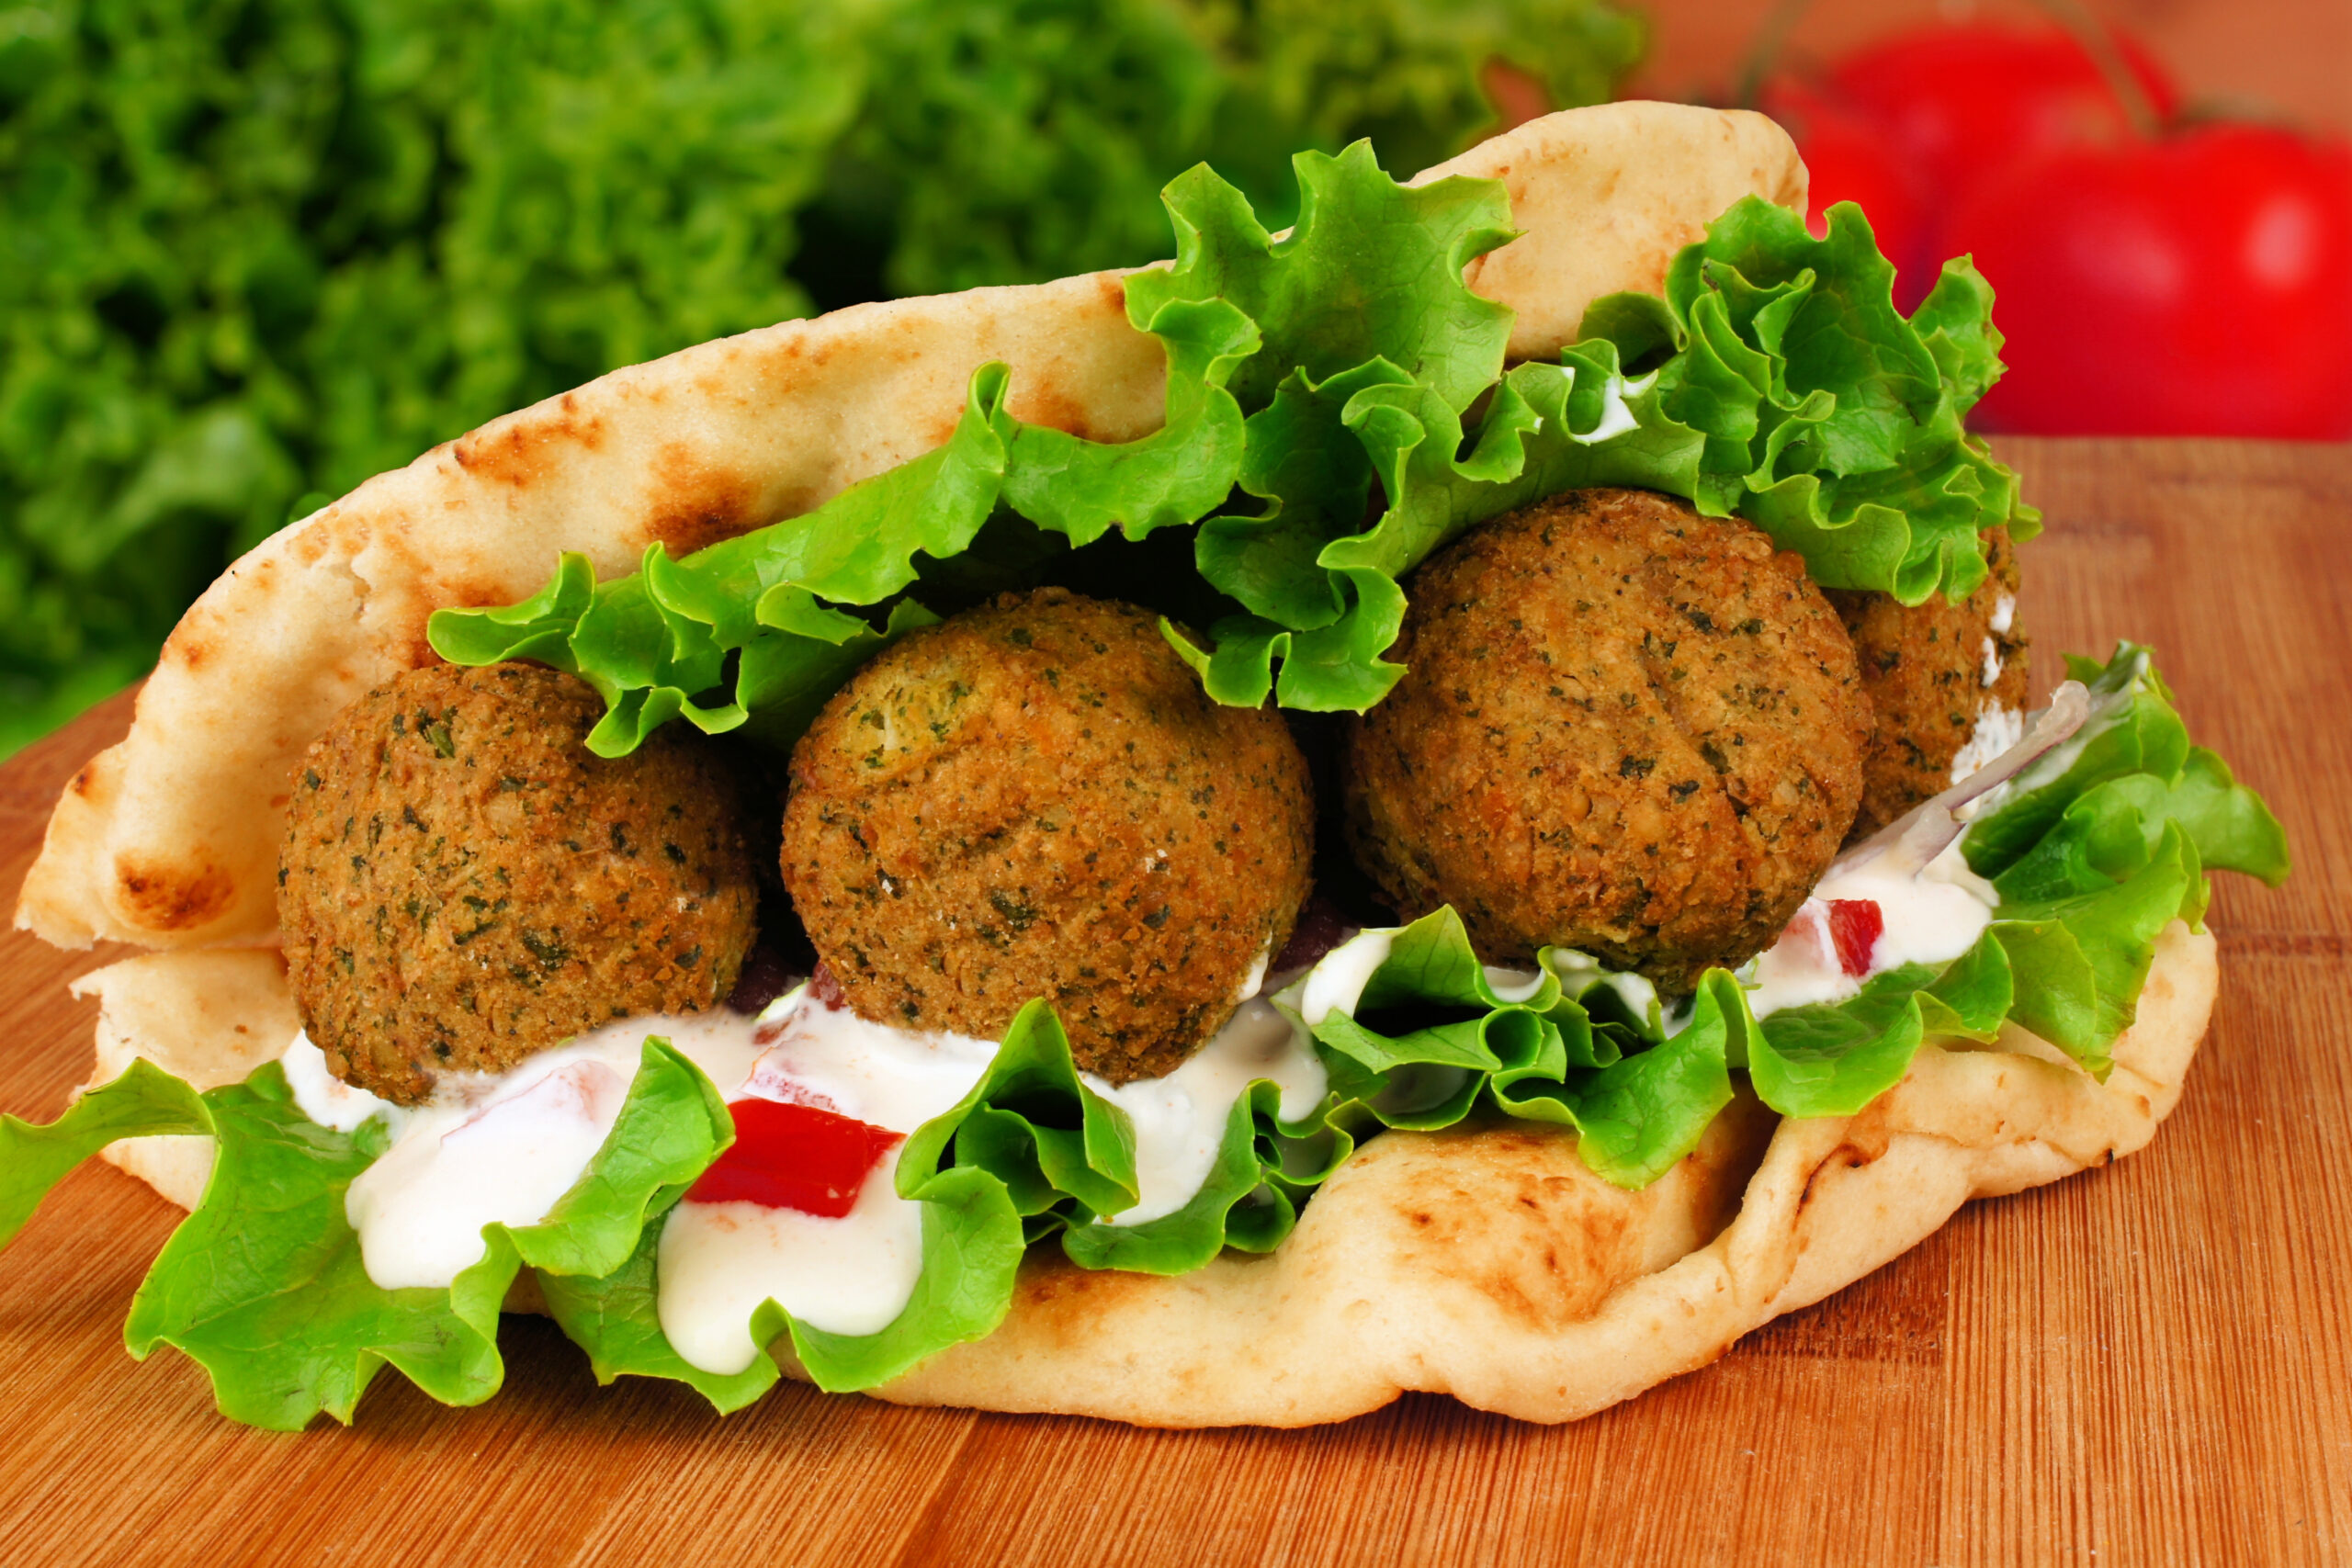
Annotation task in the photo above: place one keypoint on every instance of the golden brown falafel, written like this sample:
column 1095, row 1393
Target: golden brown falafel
column 1627, row 728
column 1924, row 668
column 464, row 883
column 1035, row 798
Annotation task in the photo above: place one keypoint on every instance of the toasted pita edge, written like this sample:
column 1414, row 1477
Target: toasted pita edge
column 1486, row 1262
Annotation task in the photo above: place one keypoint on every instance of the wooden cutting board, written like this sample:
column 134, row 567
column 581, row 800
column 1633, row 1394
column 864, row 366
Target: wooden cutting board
column 2145, row 1363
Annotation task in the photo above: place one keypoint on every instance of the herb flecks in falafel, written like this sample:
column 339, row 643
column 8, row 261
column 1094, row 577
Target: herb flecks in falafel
column 1627, row 728
column 1035, row 798
column 464, row 883
column 1936, row 672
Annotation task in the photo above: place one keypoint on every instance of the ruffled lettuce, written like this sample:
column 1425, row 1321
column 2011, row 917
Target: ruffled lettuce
column 2093, row 851
column 263, row 1283
column 1828, row 419
column 1337, row 408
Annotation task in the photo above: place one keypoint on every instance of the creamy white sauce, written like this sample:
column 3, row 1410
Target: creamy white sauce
column 1180, row 1120
column 1930, row 918
column 492, row 1147
column 1513, row 985
column 717, row 1262
column 1997, row 729
column 1616, row 418
column 2004, row 612
column 499, row 1149
column 1992, row 661
column 1337, row 982
column 323, row 1097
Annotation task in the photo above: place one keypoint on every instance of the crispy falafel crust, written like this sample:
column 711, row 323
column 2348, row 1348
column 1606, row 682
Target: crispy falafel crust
column 1626, row 729
column 1923, row 668
column 1035, row 798
column 464, row 883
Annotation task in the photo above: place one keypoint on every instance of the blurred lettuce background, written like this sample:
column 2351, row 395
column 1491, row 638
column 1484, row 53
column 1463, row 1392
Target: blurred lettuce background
column 254, row 250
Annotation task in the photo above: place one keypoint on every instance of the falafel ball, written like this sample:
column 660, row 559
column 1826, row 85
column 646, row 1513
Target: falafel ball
column 1035, row 798
column 1626, row 729
column 1943, row 679
column 465, row 884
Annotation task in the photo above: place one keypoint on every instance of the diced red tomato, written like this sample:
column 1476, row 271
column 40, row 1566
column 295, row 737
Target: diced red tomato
column 1855, row 925
column 793, row 1156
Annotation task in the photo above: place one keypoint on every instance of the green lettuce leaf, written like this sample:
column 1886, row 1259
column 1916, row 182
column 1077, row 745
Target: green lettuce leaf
column 2057, row 827
column 1372, row 270
column 1325, row 374
column 144, row 1101
column 660, row 643
column 1826, row 419
column 1431, row 1039
column 263, row 1283
column 264, row 1287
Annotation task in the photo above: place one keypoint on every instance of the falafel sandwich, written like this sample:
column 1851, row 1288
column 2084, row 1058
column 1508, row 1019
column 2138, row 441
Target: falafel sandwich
column 1390, row 805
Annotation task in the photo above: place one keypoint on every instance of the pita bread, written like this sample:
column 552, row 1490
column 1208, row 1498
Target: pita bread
column 1486, row 1261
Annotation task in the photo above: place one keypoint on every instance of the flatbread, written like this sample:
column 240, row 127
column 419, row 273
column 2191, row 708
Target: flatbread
column 1486, row 1261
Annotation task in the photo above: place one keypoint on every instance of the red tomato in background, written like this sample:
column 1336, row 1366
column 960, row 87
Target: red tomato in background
column 1960, row 104
column 2198, row 285
column 1849, row 159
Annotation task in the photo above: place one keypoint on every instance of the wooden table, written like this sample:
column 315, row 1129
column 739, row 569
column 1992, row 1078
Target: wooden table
column 2145, row 1364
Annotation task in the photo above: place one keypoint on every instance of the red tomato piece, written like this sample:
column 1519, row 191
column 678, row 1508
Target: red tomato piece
column 1958, row 105
column 2200, row 285
column 1855, row 926
column 793, row 1156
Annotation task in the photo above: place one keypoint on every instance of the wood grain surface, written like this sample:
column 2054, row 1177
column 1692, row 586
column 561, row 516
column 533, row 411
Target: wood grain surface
column 2147, row 1363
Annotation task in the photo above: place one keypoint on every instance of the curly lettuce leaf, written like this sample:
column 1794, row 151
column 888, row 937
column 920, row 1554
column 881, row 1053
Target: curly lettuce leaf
column 145, row 1102
column 1432, row 1038
column 1372, row 270
column 2129, row 771
column 263, row 1283
column 749, row 631
column 1175, row 476
column 1828, row 419
column 1264, row 1171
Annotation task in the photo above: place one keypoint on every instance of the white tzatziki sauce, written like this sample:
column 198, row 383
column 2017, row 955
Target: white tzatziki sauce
column 1180, row 1120
column 1930, row 918
column 1997, row 729
column 1337, row 982
column 492, row 1147
column 717, row 1262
